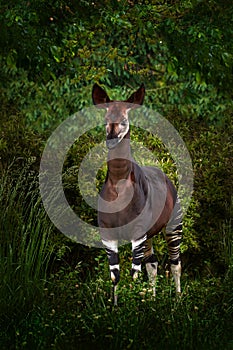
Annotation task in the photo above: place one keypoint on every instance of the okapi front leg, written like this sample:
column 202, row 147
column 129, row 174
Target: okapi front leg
column 138, row 254
column 113, row 259
column 151, row 264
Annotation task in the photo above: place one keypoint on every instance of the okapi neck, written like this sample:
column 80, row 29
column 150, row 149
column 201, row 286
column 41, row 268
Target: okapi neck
column 120, row 161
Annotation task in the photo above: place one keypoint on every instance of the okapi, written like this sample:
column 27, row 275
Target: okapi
column 135, row 202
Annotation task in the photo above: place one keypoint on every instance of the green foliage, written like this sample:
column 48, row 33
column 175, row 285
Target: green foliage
column 55, row 49
column 211, row 153
column 19, row 144
column 25, row 252
column 77, row 313
column 41, row 107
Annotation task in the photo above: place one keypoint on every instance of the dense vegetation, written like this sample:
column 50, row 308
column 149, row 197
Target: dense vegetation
column 54, row 293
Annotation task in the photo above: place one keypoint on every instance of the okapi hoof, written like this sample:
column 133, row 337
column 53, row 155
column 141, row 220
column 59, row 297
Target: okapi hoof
column 115, row 276
column 134, row 274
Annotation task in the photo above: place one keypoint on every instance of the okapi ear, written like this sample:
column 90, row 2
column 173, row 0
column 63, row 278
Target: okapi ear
column 138, row 96
column 99, row 96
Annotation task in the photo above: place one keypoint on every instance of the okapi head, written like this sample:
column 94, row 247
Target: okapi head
column 116, row 118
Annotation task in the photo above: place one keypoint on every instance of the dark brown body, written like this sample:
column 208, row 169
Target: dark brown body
column 138, row 178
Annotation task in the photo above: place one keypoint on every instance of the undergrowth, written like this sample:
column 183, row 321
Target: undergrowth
column 76, row 314
column 71, row 307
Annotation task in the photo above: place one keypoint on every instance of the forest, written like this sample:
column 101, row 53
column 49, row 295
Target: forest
column 55, row 292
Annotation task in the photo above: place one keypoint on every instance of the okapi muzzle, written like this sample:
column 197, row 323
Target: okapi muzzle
column 116, row 131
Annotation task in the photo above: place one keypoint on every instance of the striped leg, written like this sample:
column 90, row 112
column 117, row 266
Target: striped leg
column 173, row 238
column 138, row 254
column 113, row 259
column 151, row 264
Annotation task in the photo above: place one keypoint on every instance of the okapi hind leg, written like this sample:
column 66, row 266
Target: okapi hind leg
column 176, row 272
column 151, row 264
column 173, row 238
column 138, row 247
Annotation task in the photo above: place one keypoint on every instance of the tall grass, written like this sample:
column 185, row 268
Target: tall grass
column 80, row 315
column 25, row 251
column 61, row 309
